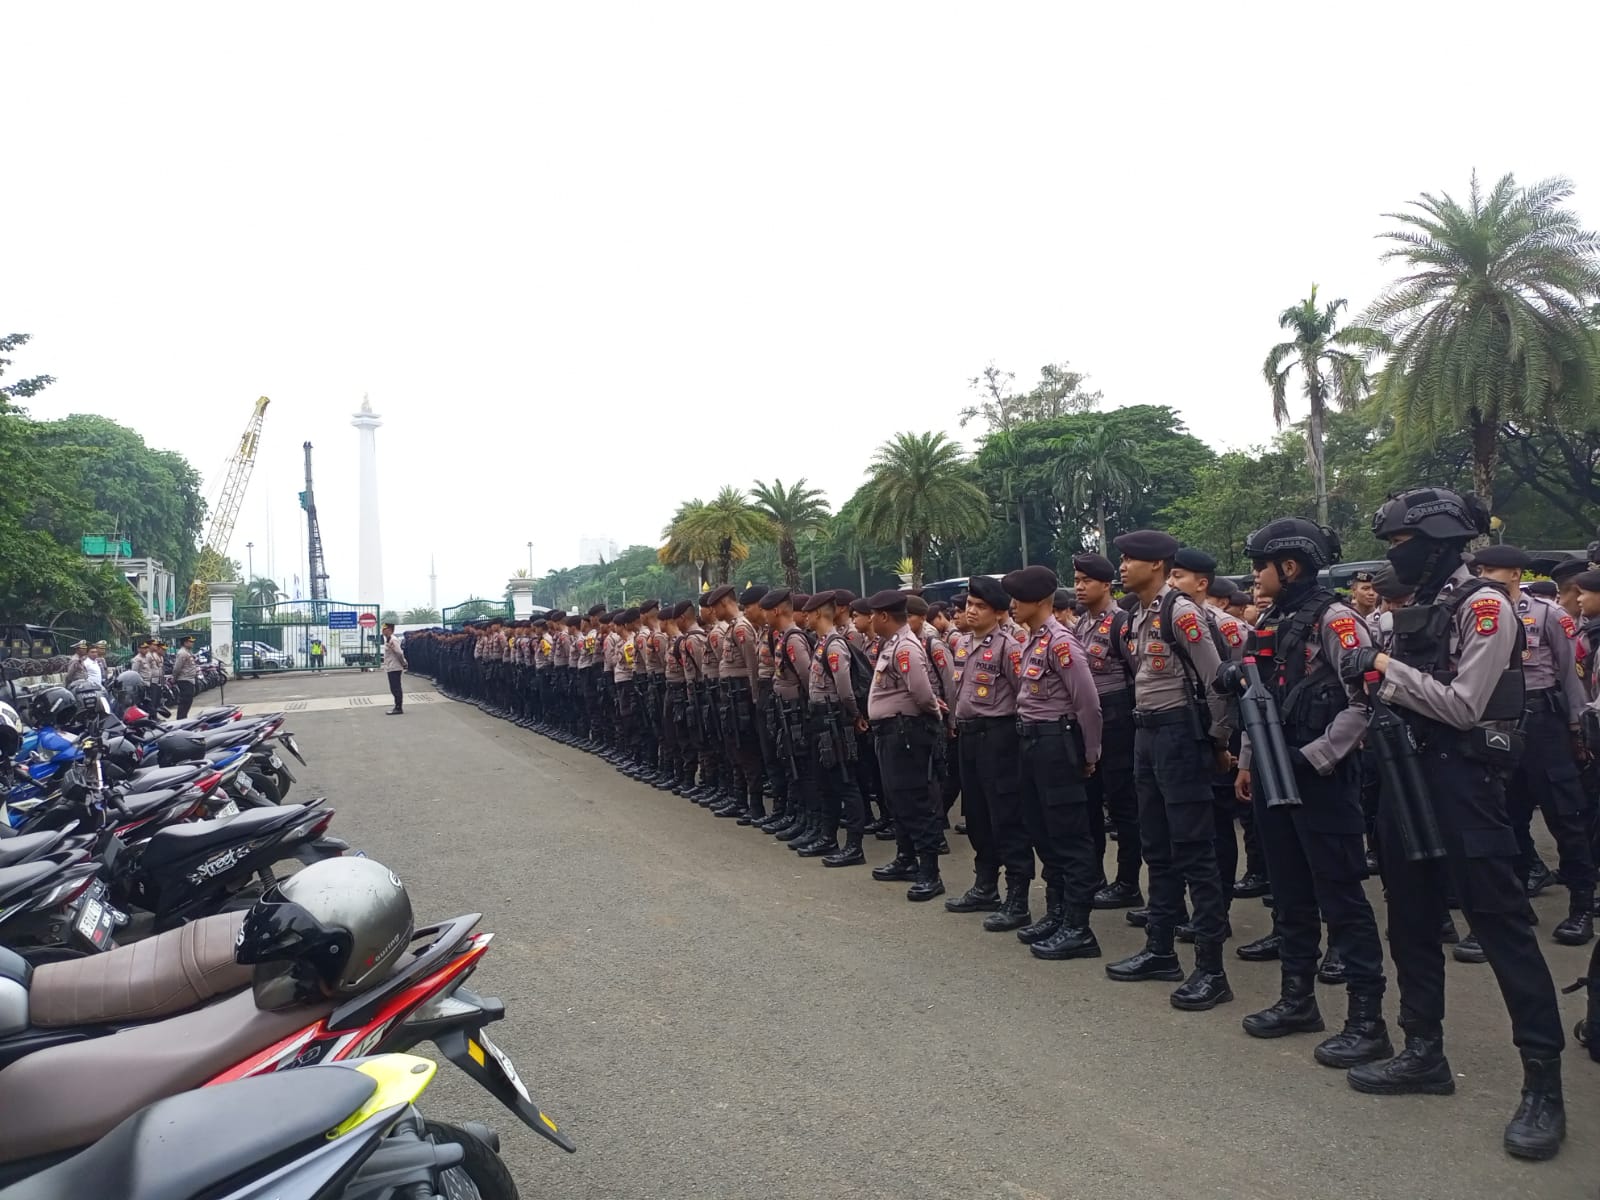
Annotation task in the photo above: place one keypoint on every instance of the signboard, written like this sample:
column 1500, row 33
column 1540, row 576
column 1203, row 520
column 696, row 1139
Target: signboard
column 341, row 620
column 368, row 621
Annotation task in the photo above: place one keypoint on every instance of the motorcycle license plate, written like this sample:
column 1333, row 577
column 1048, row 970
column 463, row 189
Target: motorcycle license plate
column 91, row 925
column 277, row 763
column 230, row 809
column 506, row 1065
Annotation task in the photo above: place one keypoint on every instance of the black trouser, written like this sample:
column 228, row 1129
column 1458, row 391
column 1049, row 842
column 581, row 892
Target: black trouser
column 947, row 764
column 1480, row 864
column 673, row 715
column 626, row 697
column 838, row 797
column 650, row 719
column 791, row 771
column 1057, row 814
column 394, row 690
column 1547, row 778
column 1172, row 771
column 1110, row 791
column 1225, row 807
column 744, row 741
column 1255, row 862
column 1317, row 858
column 991, row 797
column 766, row 712
column 904, row 749
column 185, row 697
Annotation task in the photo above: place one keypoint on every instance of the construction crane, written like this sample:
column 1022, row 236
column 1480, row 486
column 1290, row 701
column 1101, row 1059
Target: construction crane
column 213, row 563
column 318, row 568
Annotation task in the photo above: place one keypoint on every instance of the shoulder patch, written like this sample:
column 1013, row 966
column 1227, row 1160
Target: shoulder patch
column 1233, row 633
column 1063, row 650
column 833, row 660
column 938, row 657
column 1569, row 626
column 738, row 634
column 1345, row 629
column 1016, row 661
column 1485, row 615
column 902, row 659
column 1189, row 625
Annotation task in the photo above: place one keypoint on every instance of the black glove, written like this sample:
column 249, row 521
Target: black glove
column 1298, row 760
column 1353, row 664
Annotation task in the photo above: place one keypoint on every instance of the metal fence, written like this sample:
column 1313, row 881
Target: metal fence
column 305, row 635
column 458, row 615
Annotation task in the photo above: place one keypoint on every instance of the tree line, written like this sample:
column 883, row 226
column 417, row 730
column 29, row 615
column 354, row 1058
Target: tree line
column 1475, row 368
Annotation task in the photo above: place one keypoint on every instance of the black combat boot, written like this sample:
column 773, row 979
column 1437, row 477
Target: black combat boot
column 1119, row 895
column 810, row 835
column 1539, row 1125
column 1364, row 1038
column 851, row 856
column 1539, row 877
column 1137, row 917
column 1073, row 940
column 1185, row 932
column 1263, row 949
column 1295, row 1011
column 825, row 844
column 1253, row 884
column 1447, row 932
column 982, row 896
column 1578, row 928
column 928, row 884
column 1155, row 961
column 794, row 828
column 1331, row 970
column 1055, row 906
column 901, row 867
column 1421, row 1068
column 888, row 831
column 774, row 820
column 1013, row 911
column 1467, row 950
column 1207, row 986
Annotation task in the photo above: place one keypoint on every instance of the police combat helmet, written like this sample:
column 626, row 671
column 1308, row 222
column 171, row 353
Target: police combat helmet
column 1436, row 513
column 329, row 931
column 53, row 706
column 1294, row 537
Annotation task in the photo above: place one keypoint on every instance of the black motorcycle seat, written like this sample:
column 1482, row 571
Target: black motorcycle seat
column 22, row 878
column 142, row 804
column 29, row 845
column 150, row 779
column 228, row 735
column 197, row 837
column 185, row 1144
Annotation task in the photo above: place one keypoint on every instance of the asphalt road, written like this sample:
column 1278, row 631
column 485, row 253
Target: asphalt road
column 708, row 1015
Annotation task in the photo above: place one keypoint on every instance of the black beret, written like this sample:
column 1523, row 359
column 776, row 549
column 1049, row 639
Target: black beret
column 800, row 599
column 890, row 600
column 1588, row 581
column 772, row 599
column 959, row 600
column 1542, row 587
column 629, row 616
column 938, row 609
column 648, row 606
column 860, row 606
column 987, row 590
column 1031, row 584
column 819, row 601
column 843, row 596
column 681, row 607
column 916, row 606
column 1192, row 558
column 752, row 594
column 538, row 622
column 1564, row 571
column 574, row 621
column 1361, row 576
column 557, row 614
column 1222, row 589
column 1064, row 598
column 717, row 595
column 1146, row 545
column 1095, row 566
column 597, row 610
column 1502, row 556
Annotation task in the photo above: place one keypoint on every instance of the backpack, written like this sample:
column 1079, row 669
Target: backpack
column 860, row 669
column 1198, row 687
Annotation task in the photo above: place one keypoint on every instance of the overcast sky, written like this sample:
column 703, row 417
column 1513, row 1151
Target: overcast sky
column 592, row 260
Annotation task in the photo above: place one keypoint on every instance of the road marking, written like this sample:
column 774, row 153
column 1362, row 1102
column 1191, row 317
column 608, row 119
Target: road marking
column 328, row 703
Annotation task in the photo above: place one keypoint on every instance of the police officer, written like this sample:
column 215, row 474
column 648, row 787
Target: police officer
column 1180, row 741
column 1547, row 773
column 906, row 719
column 1315, row 849
column 1101, row 632
column 946, row 781
column 1456, row 674
column 987, row 670
column 789, row 708
column 1364, row 599
column 1058, row 727
column 835, row 722
column 740, row 678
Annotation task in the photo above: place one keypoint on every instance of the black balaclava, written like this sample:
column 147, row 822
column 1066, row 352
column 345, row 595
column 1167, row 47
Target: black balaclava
column 1425, row 564
column 1297, row 593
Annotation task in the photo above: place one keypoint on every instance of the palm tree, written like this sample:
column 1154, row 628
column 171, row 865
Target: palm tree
column 1008, row 454
column 420, row 616
column 848, row 539
column 682, row 546
column 262, row 593
column 1329, row 368
column 920, row 489
column 793, row 512
column 1489, row 325
column 720, row 531
column 1095, row 469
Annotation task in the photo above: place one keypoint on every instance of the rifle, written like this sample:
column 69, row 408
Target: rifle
column 1400, row 772
column 1270, row 760
column 784, row 713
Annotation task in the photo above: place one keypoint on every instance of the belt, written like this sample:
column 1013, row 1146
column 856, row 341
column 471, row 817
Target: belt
column 1544, row 700
column 1037, row 729
column 1154, row 720
column 976, row 725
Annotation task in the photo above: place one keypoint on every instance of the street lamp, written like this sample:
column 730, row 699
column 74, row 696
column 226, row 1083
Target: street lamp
column 530, row 560
column 250, row 558
column 624, row 582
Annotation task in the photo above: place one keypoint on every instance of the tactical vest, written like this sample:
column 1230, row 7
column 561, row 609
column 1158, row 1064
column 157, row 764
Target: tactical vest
column 1422, row 634
column 1307, row 700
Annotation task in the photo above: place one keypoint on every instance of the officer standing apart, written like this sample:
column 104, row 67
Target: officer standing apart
column 1315, row 849
column 1180, row 740
column 394, row 662
column 185, row 674
column 1547, row 775
column 1456, row 673
column 1058, row 724
column 905, row 720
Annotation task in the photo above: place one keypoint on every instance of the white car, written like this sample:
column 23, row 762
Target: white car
column 258, row 656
